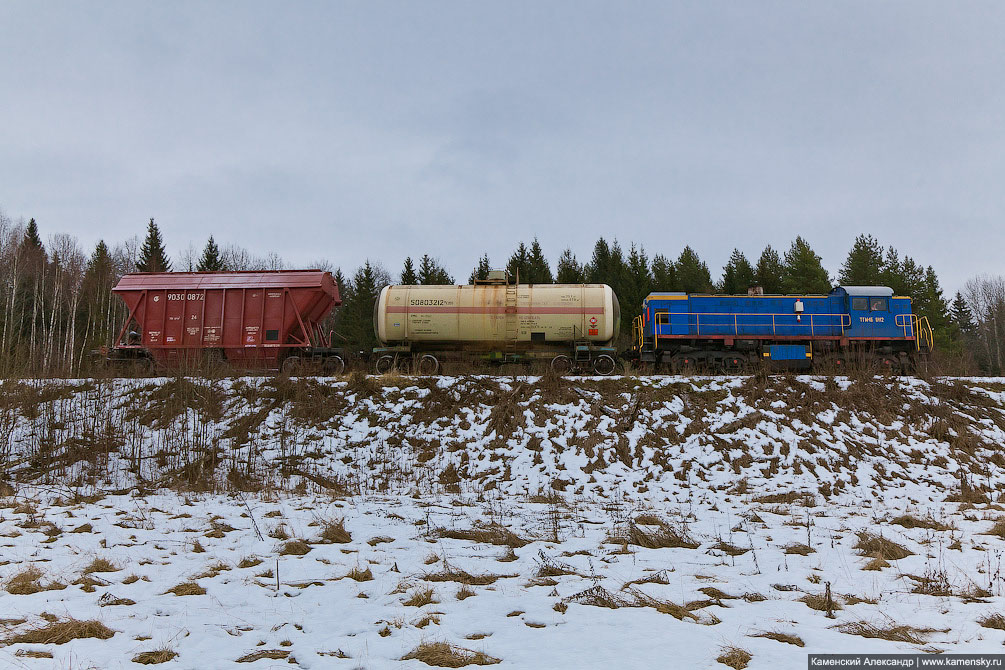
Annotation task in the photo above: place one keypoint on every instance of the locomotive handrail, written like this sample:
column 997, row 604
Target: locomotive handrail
column 638, row 326
column 917, row 327
column 778, row 320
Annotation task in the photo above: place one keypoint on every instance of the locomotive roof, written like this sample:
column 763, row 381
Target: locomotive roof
column 871, row 291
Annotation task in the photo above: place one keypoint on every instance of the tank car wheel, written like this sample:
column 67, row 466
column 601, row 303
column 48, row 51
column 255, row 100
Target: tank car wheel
column 604, row 365
column 292, row 366
column 384, row 364
column 333, row 366
column 561, row 365
column 427, row 365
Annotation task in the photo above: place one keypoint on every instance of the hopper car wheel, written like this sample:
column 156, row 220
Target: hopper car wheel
column 427, row 365
column 292, row 366
column 333, row 366
column 384, row 364
column 561, row 365
column 604, row 365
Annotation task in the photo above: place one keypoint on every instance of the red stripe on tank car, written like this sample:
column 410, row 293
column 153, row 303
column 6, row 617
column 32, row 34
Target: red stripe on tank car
column 422, row 309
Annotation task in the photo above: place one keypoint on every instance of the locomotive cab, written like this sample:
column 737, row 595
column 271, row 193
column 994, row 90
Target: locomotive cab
column 870, row 311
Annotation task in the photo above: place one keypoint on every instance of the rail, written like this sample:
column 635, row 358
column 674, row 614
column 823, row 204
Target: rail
column 738, row 325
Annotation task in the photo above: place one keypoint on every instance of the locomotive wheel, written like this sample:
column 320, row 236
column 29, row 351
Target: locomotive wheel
column 292, row 366
column 333, row 366
column 384, row 364
column 427, row 365
column 734, row 362
column 604, row 365
column 561, row 365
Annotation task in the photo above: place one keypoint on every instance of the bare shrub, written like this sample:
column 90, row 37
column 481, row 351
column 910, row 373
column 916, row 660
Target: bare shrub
column 334, row 532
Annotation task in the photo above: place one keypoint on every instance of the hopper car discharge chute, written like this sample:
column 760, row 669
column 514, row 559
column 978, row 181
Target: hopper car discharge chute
column 263, row 320
column 568, row 326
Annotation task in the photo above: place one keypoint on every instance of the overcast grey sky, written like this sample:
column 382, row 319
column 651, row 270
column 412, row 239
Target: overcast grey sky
column 351, row 130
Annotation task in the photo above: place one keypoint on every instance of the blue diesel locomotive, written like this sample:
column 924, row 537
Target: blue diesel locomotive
column 862, row 324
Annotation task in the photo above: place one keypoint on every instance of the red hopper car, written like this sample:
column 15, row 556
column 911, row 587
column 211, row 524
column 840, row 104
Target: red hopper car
column 248, row 319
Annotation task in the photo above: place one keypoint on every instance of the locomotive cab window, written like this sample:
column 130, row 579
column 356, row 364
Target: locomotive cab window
column 860, row 304
column 662, row 318
column 879, row 305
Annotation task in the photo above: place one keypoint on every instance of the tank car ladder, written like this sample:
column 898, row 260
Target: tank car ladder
column 512, row 317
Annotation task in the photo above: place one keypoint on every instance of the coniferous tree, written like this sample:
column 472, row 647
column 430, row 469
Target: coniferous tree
column 692, row 273
column 210, row 260
column 432, row 273
column 519, row 264
column 769, row 270
column 961, row 316
column 737, row 275
column 539, row 272
column 664, row 274
column 891, row 275
column 803, row 271
column 639, row 284
column 356, row 314
column 98, row 311
column 481, row 271
column 153, row 257
column 864, row 264
column 32, row 242
column 408, row 276
column 569, row 269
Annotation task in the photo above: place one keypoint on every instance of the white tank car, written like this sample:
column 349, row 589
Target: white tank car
column 515, row 320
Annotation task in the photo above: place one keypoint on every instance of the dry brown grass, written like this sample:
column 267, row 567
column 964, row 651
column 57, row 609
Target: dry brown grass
column 333, row 532
column 465, row 592
column 100, row 564
column 249, row 562
column 274, row 654
column 32, row 653
column 61, row 632
column 450, row 574
column 890, row 632
column 992, row 620
column 909, row 521
column 486, row 533
column 446, row 655
column 154, row 657
column 734, row 657
column 294, row 548
column 730, row 549
column 360, row 575
column 26, row 582
column 187, row 589
column 876, row 563
column 421, row 597
column 819, row 602
column 787, row 638
column 799, row 549
column 664, row 535
column 870, row 544
column 998, row 529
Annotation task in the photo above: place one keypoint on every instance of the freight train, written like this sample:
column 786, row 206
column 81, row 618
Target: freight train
column 272, row 320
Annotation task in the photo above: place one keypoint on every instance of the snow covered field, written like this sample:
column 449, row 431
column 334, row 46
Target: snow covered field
column 610, row 523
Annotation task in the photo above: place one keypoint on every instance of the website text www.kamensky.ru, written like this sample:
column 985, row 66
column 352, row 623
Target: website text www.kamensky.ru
column 906, row 661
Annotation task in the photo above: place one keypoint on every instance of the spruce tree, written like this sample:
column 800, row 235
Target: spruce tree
column 539, row 270
column 519, row 264
column 864, row 265
column 153, row 257
column 664, row 274
column 356, row 314
column 210, row 260
column 569, row 269
column 692, row 273
column 768, row 273
column 961, row 316
column 481, row 271
column 639, row 284
column 737, row 274
column 408, row 276
column 803, row 271
column 32, row 242
column 431, row 273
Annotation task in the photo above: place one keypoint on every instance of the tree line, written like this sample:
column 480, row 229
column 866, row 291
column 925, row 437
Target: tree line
column 56, row 304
